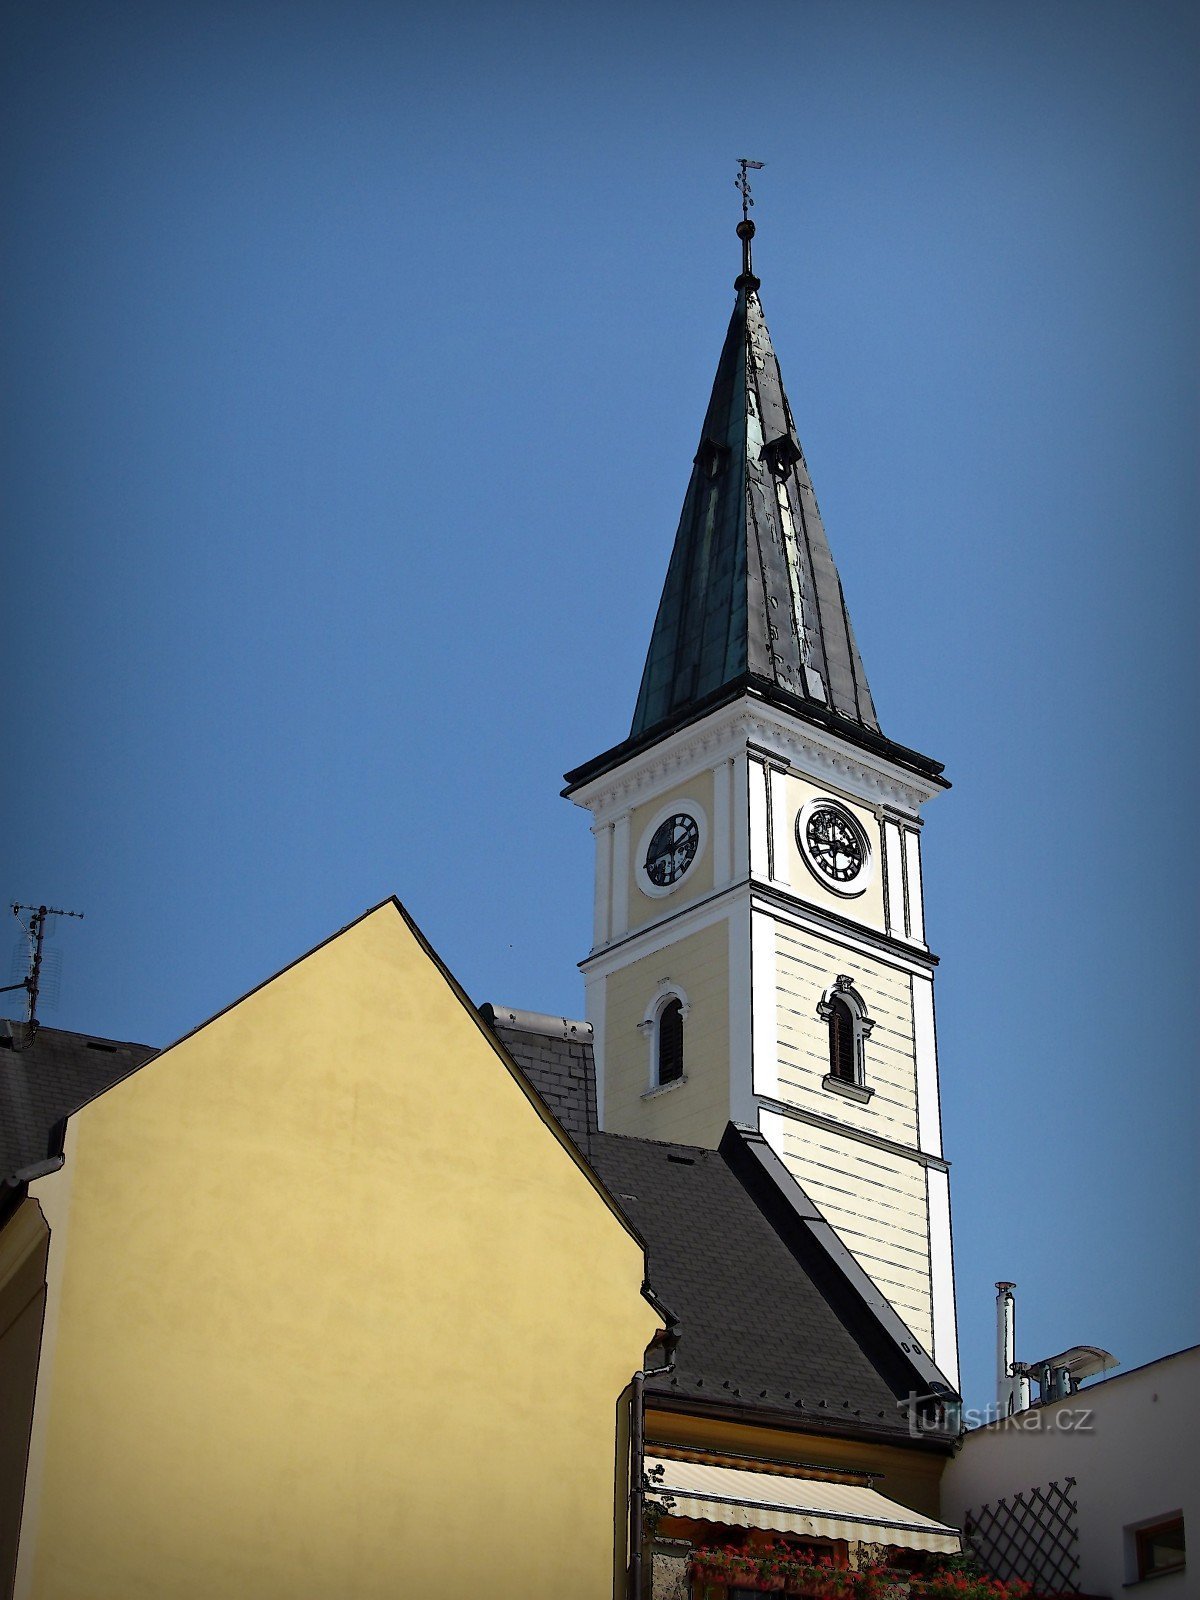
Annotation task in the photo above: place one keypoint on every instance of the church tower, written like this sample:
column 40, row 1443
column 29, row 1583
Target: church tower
column 759, row 948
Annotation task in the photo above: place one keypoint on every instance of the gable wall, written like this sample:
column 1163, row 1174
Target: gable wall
column 333, row 1287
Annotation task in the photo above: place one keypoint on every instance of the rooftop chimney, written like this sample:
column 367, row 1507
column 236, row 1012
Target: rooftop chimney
column 1012, row 1391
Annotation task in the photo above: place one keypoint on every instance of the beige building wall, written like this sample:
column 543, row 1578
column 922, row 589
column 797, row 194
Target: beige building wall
column 806, row 966
column 698, row 880
column 694, row 1110
column 877, row 1202
column 342, row 1313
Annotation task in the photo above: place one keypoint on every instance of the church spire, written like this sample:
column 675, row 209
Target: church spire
column 752, row 598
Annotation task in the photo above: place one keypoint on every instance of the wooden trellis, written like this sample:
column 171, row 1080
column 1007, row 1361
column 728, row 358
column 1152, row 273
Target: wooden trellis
column 1033, row 1535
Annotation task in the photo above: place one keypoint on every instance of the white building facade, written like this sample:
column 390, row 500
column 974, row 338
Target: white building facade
column 1095, row 1492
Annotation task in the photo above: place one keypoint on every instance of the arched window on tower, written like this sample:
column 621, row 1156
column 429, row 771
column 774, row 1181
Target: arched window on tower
column 844, row 1011
column 841, row 1041
column 664, row 1025
column 670, row 1042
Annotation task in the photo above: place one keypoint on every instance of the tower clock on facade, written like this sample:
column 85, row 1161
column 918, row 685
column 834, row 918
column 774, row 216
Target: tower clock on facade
column 672, row 850
column 833, row 846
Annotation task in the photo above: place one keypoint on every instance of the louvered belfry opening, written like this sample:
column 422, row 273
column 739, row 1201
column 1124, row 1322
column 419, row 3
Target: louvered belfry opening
column 670, row 1042
column 841, row 1041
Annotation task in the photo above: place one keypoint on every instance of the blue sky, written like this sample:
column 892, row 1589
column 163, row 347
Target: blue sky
column 356, row 357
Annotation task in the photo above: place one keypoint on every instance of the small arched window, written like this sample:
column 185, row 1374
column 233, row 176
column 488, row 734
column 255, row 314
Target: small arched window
column 841, row 1041
column 663, row 1028
column 844, row 1011
column 669, row 1062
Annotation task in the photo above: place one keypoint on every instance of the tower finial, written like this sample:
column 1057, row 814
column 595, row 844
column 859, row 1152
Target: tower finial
column 745, row 228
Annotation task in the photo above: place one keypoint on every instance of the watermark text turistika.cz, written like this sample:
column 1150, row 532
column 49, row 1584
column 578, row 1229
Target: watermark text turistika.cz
column 1034, row 1419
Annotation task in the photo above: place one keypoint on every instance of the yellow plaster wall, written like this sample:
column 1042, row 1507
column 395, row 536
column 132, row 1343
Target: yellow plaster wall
column 691, row 1112
column 866, row 907
column 342, row 1314
column 698, row 880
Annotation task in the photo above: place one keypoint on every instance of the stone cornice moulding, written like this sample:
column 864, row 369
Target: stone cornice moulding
column 771, row 733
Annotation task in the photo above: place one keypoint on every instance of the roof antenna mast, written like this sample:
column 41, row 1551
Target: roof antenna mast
column 35, row 930
column 745, row 228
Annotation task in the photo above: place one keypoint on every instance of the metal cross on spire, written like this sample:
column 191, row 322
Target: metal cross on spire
column 742, row 182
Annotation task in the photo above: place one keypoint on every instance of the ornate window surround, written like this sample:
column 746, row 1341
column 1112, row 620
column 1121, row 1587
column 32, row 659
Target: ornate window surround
column 842, row 988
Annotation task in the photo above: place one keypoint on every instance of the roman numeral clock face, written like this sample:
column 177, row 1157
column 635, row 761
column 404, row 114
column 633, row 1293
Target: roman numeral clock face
column 834, row 847
column 672, row 850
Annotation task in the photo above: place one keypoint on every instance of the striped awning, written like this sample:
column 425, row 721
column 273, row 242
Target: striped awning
column 739, row 1498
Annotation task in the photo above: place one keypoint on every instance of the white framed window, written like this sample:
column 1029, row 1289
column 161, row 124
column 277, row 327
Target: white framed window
column 664, row 1026
column 844, row 1012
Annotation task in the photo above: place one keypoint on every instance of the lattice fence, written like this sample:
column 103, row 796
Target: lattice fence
column 1032, row 1535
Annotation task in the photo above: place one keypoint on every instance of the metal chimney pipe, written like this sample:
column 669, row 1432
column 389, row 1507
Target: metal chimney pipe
column 1012, row 1392
column 1006, row 1345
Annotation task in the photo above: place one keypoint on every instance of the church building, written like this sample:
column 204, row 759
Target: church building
column 759, row 951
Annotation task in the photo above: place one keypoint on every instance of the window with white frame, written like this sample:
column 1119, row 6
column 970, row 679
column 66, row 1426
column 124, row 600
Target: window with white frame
column 664, row 1026
column 844, row 1012
column 669, row 1062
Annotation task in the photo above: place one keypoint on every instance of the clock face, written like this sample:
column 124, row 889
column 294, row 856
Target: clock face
column 834, row 844
column 672, row 850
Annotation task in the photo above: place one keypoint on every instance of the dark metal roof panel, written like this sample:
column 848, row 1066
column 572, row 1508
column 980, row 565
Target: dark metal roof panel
column 751, row 587
column 757, row 1328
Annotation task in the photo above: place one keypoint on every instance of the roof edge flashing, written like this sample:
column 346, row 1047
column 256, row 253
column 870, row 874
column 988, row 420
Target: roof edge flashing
column 542, row 1022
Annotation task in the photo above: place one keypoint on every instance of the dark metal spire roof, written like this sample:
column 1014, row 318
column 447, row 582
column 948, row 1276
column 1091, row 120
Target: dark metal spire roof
column 751, row 592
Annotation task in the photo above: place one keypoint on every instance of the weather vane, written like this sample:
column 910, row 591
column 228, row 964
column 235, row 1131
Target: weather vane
column 745, row 228
column 743, row 183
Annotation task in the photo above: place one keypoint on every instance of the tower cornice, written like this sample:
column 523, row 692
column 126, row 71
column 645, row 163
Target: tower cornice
column 751, row 722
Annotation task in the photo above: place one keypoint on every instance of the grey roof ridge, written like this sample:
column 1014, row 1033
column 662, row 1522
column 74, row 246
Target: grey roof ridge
column 100, row 1040
column 659, row 1144
column 766, row 1178
column 500, row 1016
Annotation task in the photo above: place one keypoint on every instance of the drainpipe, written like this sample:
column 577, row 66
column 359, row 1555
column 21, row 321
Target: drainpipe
column 666, row 1342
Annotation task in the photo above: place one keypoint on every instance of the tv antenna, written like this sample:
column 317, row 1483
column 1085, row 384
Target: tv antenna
column 35, row 932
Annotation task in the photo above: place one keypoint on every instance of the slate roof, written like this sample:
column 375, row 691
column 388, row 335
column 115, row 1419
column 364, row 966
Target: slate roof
column 776, row 1319
column 46, row 1078
column 555, row 1054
